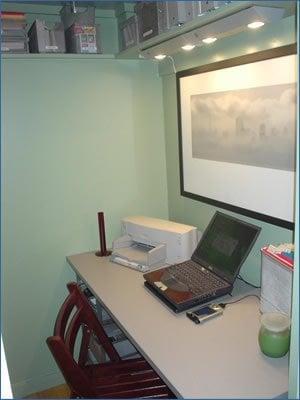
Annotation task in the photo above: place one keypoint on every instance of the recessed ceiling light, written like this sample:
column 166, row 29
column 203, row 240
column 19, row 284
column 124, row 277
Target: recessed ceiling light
column 255, row 24
column 160, row 56
column 188, row 47
column 209, row 40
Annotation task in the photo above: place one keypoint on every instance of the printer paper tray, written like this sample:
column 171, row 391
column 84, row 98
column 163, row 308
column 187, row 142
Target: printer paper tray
column 137, row 255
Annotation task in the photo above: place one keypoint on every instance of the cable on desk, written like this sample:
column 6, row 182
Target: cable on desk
column 223, row 305
column 248, row 283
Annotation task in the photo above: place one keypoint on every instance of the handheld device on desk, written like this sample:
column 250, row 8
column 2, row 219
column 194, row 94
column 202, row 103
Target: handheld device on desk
column 205, row 313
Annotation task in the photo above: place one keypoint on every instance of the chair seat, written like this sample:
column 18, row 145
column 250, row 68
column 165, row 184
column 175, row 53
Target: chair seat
column 117, row 367
column 127, row 379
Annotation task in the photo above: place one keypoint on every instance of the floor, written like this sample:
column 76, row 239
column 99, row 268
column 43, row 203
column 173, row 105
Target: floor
column 57, row 392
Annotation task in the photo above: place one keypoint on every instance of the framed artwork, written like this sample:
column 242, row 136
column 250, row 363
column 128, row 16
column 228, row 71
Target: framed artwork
column 237, row 134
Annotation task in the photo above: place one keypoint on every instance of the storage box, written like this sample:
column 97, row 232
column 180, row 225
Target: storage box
column 83, row 39
column 276, row 283
column 157, row 17
column 10, row 24
column 176, row 12
column 128, row 33
column 202, row 7
column 147, row 14
column 84, row 16
column 13, row 35
column 14, row 46
column 45, row 40
column 14, row 42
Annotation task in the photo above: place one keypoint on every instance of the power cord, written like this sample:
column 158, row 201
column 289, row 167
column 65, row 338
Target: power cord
column 248, row 283
column 75, row 10
column 223, row 305
column 173, row 63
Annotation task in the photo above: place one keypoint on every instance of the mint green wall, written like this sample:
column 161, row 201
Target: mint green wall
column 199, row 214
column 79, row 136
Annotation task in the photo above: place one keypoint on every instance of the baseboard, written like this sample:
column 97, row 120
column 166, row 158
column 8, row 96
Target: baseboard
column 37, row 384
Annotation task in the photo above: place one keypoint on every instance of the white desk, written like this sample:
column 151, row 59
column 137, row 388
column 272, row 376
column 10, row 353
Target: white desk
column 219, row 359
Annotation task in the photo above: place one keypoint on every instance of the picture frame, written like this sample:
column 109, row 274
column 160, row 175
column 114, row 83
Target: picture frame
column 237, row 134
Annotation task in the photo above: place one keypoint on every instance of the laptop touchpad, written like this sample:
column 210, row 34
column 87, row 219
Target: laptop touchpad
column 168, row 280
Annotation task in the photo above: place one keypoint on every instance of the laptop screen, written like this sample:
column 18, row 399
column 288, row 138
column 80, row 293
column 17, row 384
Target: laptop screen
column 225, row 245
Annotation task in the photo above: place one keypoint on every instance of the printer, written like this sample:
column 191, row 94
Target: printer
column 149, row 243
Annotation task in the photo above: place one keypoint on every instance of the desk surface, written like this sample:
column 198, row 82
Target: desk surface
column 219, row 359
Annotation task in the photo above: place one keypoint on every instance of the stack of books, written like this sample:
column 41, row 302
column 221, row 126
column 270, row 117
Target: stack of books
column 13, row 34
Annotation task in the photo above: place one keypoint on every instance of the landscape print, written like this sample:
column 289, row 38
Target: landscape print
column 255, row 126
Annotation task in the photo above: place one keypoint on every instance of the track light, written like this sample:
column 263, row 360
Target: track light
column 160, row 56
column 255, row 24
column 188, row 47
column 209, row 40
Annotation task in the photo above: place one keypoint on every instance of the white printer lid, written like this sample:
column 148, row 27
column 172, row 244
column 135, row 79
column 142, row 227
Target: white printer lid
column 159, row 224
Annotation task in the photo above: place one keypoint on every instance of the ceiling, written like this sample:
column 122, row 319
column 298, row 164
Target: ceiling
column 103, row 4
column 111, row 5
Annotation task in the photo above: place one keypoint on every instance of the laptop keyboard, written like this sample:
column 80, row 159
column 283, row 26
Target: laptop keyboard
column 198, row 279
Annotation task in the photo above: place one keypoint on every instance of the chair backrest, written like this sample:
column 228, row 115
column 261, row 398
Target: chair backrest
column 76, row 313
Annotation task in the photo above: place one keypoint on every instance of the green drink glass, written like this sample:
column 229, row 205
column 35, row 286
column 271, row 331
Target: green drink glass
column 274, row 334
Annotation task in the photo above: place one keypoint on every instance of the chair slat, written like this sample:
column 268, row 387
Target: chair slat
column 63, row 316
column 138, row 393
column 73, row 329
column 134, row 385
column 118, row 368
column 125, row 378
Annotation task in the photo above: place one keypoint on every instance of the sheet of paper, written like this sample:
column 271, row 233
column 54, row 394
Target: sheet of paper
column 276, row 287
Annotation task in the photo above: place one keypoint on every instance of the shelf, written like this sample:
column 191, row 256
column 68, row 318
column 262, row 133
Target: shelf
column 120, row 337
column 212, row 16
column 130, row 53
column 199, row 22
column 30, row 56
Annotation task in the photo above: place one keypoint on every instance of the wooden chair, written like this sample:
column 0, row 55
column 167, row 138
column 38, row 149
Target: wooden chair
column 116, row 378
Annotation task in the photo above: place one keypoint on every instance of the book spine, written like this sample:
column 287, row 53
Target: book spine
column 279, row 257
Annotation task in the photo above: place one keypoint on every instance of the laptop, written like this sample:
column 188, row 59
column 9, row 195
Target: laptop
column 213, row 268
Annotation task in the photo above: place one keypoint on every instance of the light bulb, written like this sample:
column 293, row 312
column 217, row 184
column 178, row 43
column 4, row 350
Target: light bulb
column 255, row 24
column 209, row 40
column 160, row 56
column 188, row 47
